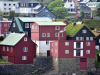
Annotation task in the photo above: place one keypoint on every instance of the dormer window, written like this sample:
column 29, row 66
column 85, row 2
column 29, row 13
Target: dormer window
column 26, row 25
column 25, row 39
column 13, row 24
column 84, row 31
column 57, row 28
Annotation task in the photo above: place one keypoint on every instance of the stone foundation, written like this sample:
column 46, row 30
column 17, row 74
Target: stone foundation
column 67, row 66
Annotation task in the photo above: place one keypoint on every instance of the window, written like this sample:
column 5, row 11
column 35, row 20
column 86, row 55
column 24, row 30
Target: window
column 13, row 24
column 78, row 45
column 81, row 38
column 25, row 49
column 32, row 26
column 66, row 51
column 13, row 4
column 62, row 34
column 87, row 38
column 24, row 57
column 55, row 44
column 88, row 43
column 57, row 28
column 48, row 34
column 77, row 38
column 4, row 8
column 43, row 34
column 91, row 38
column 31, row 4
column 87, row 51
column 55, row 50
column 5, row 25
column 3, row 48
column 9, row 8
column 52, row 44
column 99, row 40
column 78, row 52
column 56, row 34
column 4, row 4
column 66, row 43
column 9, row 4
column 21, row 4
column 27, row 4
column 51, row 50
column 26, row 25
column 25, row 39
column 7, row 48
column 45, row 10
column 11, row 49
column 84, row 31
column 36, row 27
column 47, row 42
column 71, row 5
column 9, row 25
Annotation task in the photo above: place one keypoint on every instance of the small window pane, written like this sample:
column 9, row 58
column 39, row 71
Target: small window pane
column 24, row 57
column 43, row 34
column 25, row 39
column 48, row 34
column 66, row 51
column 87, row 51
column 77, row 38
column 26, row 25
column 88, row 43
column 66, row 43
column 87, row 38
column 84, row 31
column 56, row 34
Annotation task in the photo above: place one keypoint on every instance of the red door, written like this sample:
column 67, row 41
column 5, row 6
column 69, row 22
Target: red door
column 83, row 64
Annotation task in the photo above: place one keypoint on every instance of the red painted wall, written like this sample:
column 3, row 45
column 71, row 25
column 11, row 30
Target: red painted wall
column 62, row 48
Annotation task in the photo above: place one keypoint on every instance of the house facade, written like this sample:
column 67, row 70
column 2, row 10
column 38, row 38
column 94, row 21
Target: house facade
column 18, row 49
column 4, row 28
column 23, row 24
column 42, row 33
column 97, row 45
column 6, row 6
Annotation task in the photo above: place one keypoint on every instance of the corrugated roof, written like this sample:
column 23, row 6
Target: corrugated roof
column 18, row 24
column 35, row 19
column 51, row 23
column 12, row 39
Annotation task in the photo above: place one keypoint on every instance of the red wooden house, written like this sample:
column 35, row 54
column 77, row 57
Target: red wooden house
column 4, row 27
column 19, row 48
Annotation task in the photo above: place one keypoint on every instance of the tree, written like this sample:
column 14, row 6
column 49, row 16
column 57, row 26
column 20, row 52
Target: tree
column 16, row 15
column 56, row 3
column 60, row 12
column 82, row 15
column 11, row 14
column 47, row 2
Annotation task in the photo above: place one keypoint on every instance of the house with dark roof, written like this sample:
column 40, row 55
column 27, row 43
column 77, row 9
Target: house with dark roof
column 23, row 24
column 33, row 8
column 18, row 49
column 79, row 32
column 97, row 40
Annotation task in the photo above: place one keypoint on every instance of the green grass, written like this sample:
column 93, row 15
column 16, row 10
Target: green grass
column 2, row 61
column 0, row 41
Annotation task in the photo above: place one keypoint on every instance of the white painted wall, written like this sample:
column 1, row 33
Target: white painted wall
column 97, row 47
column 23, row 10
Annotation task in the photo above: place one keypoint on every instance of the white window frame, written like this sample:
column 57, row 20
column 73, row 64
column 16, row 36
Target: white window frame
column 3, row 48
column 87, row 38
column 25, row 49
column 55, row 43
column 88, row 43
column 26, row 25
column 32, row 26
column 91, row 38
column 62, row 34
column 52, row 44
column 81, row 38
column 47, row 42
column 66, row 51
column 11, row 49
column 35, row 26
column 87, row 51
column 77, row 38
column 81, row 53
column 13, row 24
column 57, row 27
column 7, row 48
column 84, row 31
column 48, row 34
column 66, row 43
column 31, row 4
column 56, row 35
column 43, row 34
column 25, row 39
column 81, row 46
column 24, row 57
column 55, row 50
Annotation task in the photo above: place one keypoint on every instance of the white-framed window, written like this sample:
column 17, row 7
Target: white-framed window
column 66, row 43
column 43, row 34
column 24, row 57
column 91, row 38
column 9, row 8
column 26, row 25
column 77, row 38
column 30, row 25
column 84, row 31
column 56, row 44
column 99, row 40
column 56, row 35
column 57, row 27
column 47, row 42
column 78, row 52
column 7, row 48
column 25, row 39
column 5, row 25
column 87, row 38
column 3, row 48
column 4, row 4
column 81, row 38
column 35, row 26
column 78, row 45
column 87, row 51
column 13, row 24
column 52, row 44
column 88, row 43
column 25, row 49
column 31, row 4
column 11, row 49
column 48, row 34
column 62, row 34
column 51, row 50
column 66, row 51
column 55, row 50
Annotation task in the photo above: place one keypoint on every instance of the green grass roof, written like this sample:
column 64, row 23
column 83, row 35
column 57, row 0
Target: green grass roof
column 51, row 23
column 35, row 19
column 18, row 24
column 12, row 39
column 71, row 31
